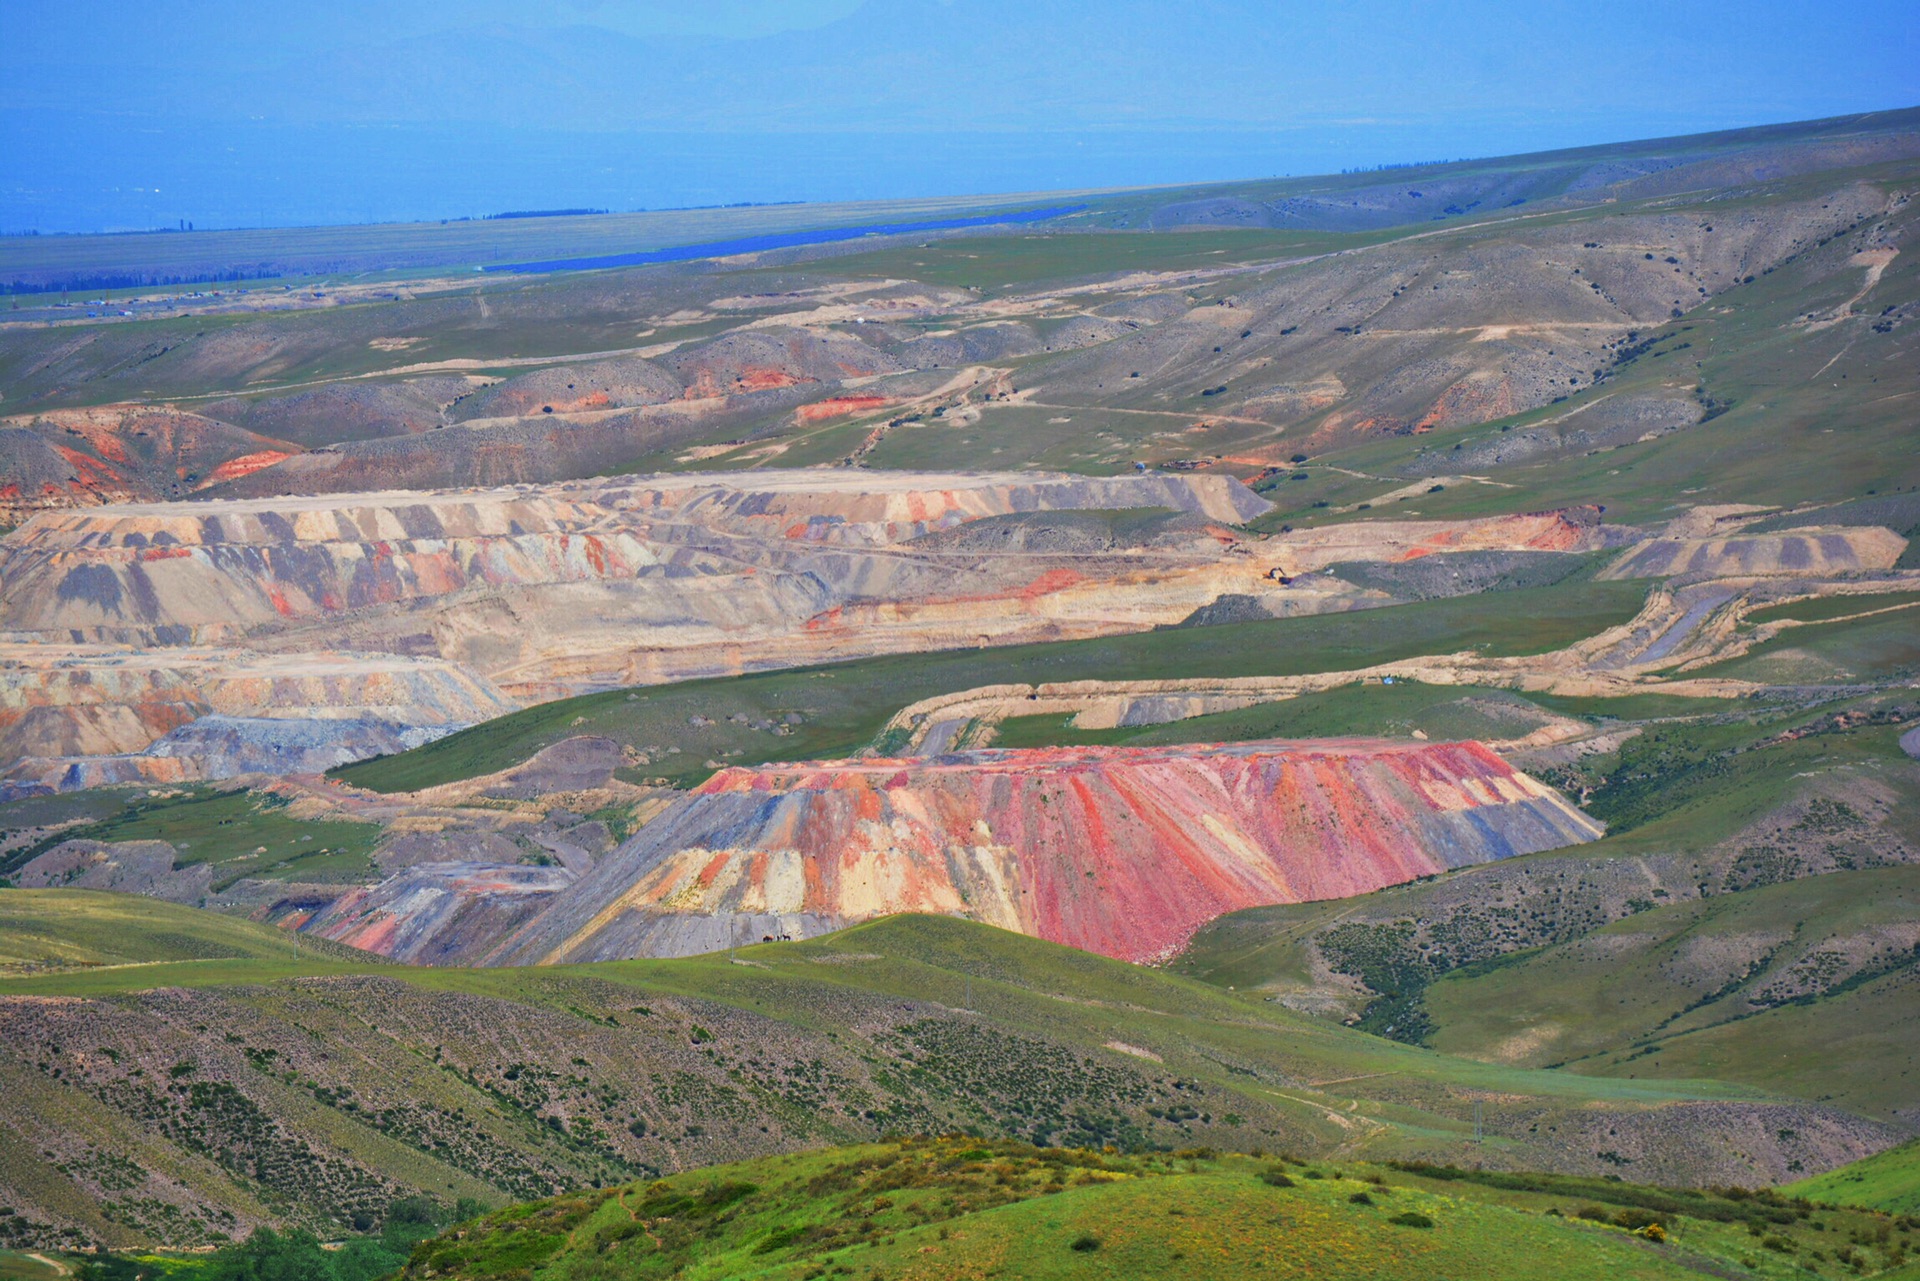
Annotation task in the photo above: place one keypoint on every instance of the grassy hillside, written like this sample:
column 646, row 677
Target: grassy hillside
column 44, row 931
column 1887, row 1181
column 960, row 1207
column 1883, row 647
column 844, row 706
column 1800, row 985
column 239, row 833
column 1748, row 918
column 313, row 1090
column 1440, row 712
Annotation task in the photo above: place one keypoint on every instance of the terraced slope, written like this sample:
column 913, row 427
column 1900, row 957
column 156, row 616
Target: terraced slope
column 1124, row 852
column 396, row 613
column 160, row 574
column 170, row 1100
column 84, row 715
column 440, row 913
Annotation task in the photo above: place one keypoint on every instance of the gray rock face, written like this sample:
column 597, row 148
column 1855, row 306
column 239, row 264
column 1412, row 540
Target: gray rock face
column 1462, row 573
column 1606, row 422
column 459, row 845
column 229, row 745
column 215, row 747
column 574, row 764
column 128, row 867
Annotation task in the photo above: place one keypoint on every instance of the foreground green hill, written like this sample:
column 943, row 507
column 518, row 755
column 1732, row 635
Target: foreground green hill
column 187, row 1101
column 961, row 1207
column 1888, row 1181
column 82, row 930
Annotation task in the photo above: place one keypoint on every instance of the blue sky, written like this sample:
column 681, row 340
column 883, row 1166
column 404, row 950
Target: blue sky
column 118, row 113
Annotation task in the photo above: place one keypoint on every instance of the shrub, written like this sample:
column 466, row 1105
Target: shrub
column 1275, row 1177
column 1360, row 1198
column 1411, row 1219
column 1085, row 1243
column 1593, row 1214
column 780, row 1239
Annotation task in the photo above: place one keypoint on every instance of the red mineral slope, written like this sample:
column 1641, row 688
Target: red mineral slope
column 838, row 407
column 1123, row 851
column 434, row 914
column 117, row 453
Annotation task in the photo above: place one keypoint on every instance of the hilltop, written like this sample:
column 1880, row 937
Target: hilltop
column 1887, row 1181
column 962, row 1206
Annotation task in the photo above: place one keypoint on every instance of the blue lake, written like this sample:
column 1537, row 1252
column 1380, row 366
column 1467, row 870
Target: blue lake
column 788, row 240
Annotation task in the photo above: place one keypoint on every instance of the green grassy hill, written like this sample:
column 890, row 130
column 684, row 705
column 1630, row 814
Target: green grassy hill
column 844, row 706
column 961, row 1207
column 1888, row 1181
column 1799, row 985
column 46, row 931
column 240, row 833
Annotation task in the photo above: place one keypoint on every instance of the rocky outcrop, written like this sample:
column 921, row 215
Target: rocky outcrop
column 162, row 573
column 129, row 867
column 439, row 913
column 538, row 592
column 223, row 746
column 1120, row 851
column 1574, row 529
column 579, row 764
column 77, row 716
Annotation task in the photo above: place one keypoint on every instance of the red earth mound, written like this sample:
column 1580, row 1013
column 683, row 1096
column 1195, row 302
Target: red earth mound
column 1124, row 851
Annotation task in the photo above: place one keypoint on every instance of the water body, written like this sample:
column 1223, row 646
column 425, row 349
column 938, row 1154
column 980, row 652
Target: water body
column 74, row 171
column 787, row 240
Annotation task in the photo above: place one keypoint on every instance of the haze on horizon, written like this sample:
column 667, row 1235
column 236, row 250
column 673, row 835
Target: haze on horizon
column 117, row 114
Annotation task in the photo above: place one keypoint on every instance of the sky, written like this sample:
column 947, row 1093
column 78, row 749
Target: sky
column 121, row 114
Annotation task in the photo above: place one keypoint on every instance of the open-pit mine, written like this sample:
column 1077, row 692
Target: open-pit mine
column 171, row 642
column 1097, row 680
